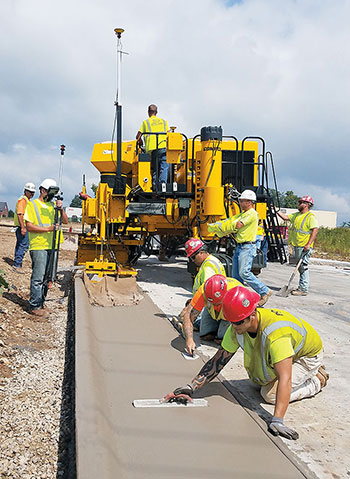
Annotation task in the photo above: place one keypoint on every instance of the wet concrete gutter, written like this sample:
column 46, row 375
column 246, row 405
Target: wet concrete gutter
column 131, row 353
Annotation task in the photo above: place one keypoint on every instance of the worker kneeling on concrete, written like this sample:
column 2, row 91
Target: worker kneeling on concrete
column 208, row 301
column 282, row 354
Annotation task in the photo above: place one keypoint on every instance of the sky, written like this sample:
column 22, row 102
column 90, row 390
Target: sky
column 275, row 69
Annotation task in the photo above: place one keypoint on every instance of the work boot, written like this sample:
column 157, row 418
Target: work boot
column 163, row 258
column 299, row 292
column 17, row 269
column 39, row 313
column 264, row 298
column 323, row 376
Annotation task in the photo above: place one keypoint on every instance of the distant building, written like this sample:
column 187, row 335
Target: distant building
column 74, row 214
column 326, row 219
column 4, row 211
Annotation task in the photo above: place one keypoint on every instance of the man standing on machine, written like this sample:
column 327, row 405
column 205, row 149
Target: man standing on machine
column 155, row 145
column 40, row 223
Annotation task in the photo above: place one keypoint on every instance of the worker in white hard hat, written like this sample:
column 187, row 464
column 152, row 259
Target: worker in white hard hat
column 40, row 218
column 301, row 235
column 22, row 243
column 244, row 227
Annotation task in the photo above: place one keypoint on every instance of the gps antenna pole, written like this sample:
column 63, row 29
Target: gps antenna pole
column 118, row 182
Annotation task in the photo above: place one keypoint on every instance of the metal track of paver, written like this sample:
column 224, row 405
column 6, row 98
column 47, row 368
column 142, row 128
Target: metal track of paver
column 128, row 353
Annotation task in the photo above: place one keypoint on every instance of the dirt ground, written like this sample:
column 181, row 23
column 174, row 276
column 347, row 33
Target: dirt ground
column 18, row 328
column 32, row 362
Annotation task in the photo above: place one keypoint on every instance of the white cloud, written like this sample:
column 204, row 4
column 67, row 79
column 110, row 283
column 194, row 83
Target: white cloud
column 275, row 69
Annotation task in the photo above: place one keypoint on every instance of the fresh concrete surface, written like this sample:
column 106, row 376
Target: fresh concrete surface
column 127, row 353
column 323, row 421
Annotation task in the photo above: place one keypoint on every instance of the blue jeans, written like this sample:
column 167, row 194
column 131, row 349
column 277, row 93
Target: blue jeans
column 209, row 325
column 163, row 166
column 261, row 243
column 304, row 280
column 241, row 266
column 38, row 286
column 22, row 245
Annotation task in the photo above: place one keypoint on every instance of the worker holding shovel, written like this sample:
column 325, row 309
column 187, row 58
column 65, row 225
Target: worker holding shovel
column 283, row 356
column 302, row 234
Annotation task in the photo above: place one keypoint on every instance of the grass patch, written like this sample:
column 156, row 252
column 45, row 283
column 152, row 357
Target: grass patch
column 334, row 242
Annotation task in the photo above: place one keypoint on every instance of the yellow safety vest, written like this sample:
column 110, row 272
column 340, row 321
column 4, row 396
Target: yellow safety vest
column 15, row 219
column 301, row 226
column 246, row 233
column 41, row 214
column 154, row 125
column 280, row 335
column 210, row 266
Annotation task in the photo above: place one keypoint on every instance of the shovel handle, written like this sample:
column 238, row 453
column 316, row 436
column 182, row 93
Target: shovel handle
column 296, row 267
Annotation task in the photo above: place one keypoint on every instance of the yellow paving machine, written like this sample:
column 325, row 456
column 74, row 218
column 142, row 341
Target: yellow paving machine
column 206, row 175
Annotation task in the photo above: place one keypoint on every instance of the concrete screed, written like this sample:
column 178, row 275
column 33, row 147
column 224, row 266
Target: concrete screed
column 322, row 421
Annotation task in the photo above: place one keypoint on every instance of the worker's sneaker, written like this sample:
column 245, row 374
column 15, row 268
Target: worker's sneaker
column 17, row 269
column 299, row 292
column 323, row 376
column 264, row 298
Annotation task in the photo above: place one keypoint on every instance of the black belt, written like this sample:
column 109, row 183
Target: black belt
column 248, row 242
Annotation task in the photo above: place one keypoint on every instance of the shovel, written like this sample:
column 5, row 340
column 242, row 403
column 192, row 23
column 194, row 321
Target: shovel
column 284, row 291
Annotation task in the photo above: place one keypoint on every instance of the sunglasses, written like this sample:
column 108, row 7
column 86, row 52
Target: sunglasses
column 238, row 323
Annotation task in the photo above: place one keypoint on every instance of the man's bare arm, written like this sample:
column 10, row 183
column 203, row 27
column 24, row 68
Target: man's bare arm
column 187, row 317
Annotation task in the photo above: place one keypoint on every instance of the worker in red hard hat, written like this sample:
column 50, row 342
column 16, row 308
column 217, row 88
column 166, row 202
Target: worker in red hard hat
column 208, row 298
column 244, row 226
column 301, row 236
column 207, row 265
column 283, row 355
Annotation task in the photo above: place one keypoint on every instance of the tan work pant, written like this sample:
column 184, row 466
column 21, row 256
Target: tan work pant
column 305, row 383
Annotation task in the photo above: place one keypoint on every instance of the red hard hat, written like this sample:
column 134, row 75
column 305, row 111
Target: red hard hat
column 215, row 289
column 193, row 245
column 239, row 303
column 308, row 199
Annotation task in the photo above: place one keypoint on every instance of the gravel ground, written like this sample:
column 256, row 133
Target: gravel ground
column 36, row 428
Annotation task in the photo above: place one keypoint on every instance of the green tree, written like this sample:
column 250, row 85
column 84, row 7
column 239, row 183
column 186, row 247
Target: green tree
column 290, row 200
column 287, row 199
column 11, row 214
column 76, row 202
column 94, row 188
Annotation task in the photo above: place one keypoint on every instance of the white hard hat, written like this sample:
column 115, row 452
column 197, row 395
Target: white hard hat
column 30, row 187
column 48, row 183
column 248, row 195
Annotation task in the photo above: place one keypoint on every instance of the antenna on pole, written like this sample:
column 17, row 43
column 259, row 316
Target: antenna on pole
column 119, row 186
column 118, row 32
column 63, row 149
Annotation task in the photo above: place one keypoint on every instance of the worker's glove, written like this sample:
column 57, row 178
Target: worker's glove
column 211, row 227
column 181, row 395
column 277, row 428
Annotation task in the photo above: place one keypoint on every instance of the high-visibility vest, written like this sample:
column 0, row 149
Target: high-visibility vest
column 299, row 230
column 154, row 125
column 15, row 219
column 210, row 266
column 274, row 325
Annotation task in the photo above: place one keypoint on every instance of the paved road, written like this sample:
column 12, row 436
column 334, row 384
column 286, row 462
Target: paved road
column 129, row 353
column 322, row 421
